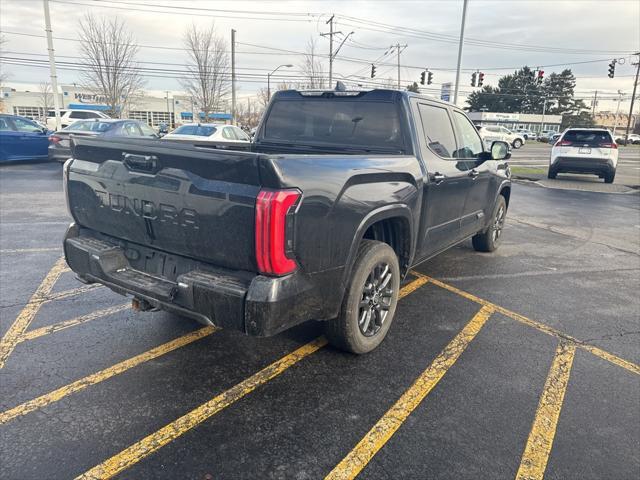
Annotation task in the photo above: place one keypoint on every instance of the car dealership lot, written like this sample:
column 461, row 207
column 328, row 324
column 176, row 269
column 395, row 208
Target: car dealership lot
column 516, row 363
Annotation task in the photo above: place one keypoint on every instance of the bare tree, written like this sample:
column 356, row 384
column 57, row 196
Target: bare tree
column 108, row 51
column 209, row 78
column 263, row 94
column 312, row 67
column 45, row 98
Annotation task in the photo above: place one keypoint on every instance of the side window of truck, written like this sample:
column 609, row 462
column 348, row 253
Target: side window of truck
column 469, row 143
column 438, row 130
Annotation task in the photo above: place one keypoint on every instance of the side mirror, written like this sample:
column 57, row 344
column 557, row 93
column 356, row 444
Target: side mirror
column 500, row 150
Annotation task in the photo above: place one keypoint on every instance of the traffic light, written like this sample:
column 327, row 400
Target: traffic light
column 540, row 76
column 422, row 77
column 480, row 79
column 429, row 78
column 474, row 75
column 612, row 69
column 373, row 70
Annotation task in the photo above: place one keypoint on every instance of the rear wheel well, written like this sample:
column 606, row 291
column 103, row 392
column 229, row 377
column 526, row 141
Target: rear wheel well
column 395, row 232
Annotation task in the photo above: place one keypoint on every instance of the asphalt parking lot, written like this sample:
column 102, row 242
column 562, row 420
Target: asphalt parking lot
column 532, row 162
column 521, row 364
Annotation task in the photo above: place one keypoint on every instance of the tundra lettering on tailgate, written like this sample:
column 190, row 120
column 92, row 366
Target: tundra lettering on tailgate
column 148, row 210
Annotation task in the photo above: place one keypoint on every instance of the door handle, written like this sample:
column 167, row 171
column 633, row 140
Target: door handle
column 438, row 178
column 474, row 173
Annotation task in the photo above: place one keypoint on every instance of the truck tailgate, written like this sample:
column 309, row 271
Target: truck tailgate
column 191, row 201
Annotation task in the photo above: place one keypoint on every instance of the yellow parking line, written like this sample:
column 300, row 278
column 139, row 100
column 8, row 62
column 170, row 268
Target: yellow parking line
column 103, row 375
column 30, row 250
column 543, row 430
column 27, row 314
column 148, row 445
column 71, row 292
column 391, row 421
column 39, row 332
column 609, row 357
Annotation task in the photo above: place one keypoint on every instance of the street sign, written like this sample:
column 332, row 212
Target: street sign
column 445, row 91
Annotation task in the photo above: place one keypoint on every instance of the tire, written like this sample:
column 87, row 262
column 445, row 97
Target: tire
column 552, row 174
column 517, row 143
column 351, row 331
column 490, row 239
column 609, row 177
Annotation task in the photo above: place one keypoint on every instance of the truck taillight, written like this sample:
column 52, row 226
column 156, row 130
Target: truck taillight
column 274, row 213
column 54, row 139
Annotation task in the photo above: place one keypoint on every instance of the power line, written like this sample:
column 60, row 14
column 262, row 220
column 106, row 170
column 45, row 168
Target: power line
column 359, row 23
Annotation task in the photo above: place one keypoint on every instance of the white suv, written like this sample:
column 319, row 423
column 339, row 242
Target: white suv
column 585, row 150
column 491, row 133
column 67, row 117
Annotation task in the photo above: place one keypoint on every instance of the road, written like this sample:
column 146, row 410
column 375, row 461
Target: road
column 535, row 155
column 507, row 365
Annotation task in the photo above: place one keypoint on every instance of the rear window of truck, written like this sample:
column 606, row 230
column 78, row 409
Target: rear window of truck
column 335, row 122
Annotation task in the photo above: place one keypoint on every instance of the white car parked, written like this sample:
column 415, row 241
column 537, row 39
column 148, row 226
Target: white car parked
column 208, row 132
column 67, row 117
column 585, row 150
column 491, row 133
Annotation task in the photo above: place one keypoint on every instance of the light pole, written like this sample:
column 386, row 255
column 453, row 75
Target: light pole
column 269, row 79
column 464, row 17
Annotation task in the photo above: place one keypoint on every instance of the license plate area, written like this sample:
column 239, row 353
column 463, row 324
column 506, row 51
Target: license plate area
column 584, row 150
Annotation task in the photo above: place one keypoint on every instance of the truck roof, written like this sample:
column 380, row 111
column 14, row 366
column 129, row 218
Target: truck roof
column 377, row 94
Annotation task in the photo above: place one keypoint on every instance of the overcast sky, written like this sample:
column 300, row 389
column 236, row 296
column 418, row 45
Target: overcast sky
column 554, row 32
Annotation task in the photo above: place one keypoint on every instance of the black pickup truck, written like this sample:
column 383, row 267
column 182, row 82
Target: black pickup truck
column 339, row 196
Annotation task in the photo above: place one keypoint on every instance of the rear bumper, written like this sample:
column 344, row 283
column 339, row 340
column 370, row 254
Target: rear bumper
column 598, row 166
column 245, row 301
column 59, row 154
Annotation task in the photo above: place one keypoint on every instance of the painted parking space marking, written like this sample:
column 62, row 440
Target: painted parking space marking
column 391, row 421
column 609, row 357
column 72, row 292
column 56, row 327
column 28, row 313
column 157, row 440
column 150, row 444
column 29, row 250
column 543, row 430
column 103, row 375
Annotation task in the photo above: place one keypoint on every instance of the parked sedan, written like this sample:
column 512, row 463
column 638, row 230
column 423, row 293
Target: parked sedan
column 209, row 132
column 60, row 141
column 21, row 139
column 585, row 150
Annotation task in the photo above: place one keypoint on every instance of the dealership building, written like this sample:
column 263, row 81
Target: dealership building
column 514, row 121
column 153, row 110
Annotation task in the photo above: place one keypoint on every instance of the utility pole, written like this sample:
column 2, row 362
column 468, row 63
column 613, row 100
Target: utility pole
column 633, row 97
column 52, row 62
column 168, row 111
column 595, row 102
column 330, row 35
column 615, row 125
column 544, row 110
column 464, row 17
column 400, row 49
column 233, row 77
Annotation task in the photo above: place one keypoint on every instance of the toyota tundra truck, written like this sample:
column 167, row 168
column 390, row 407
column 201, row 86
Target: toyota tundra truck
column 338, row 196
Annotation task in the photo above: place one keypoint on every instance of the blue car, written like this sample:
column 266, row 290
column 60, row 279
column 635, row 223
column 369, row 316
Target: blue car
column 22, row 139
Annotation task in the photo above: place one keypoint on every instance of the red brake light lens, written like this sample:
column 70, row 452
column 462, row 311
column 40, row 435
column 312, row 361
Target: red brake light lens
column 272, row 209
column 563, row 143
column 608, row 145
column 54, row 138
